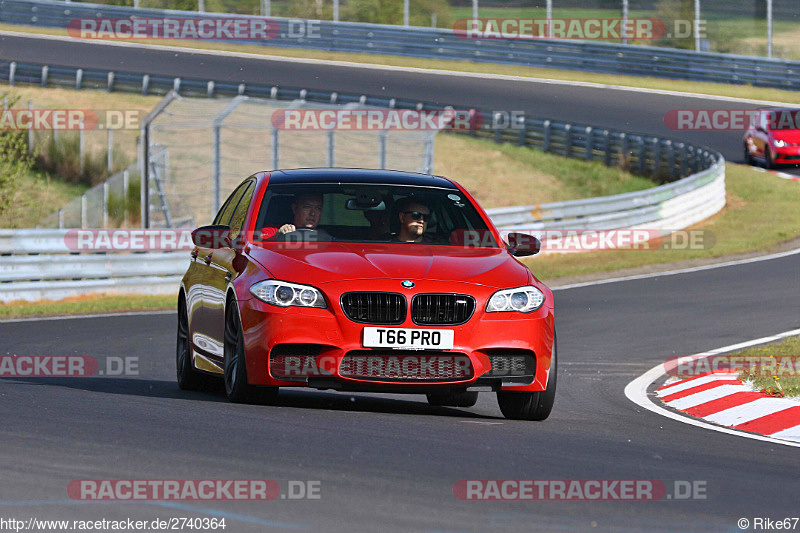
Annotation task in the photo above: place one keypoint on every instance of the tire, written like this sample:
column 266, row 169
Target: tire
column 453, row 399
column 531, row 405
column 768, row 159
column 748, row 159
column 187, row 376
column 237, row 389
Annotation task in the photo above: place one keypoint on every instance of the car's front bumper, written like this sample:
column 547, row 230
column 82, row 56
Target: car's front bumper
column 326, row 337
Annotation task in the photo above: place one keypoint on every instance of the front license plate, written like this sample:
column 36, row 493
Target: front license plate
column 409, row 338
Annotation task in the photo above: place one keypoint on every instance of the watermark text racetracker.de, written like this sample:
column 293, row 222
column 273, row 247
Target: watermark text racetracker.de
column 644, row 29
column 70, row 119
column 755, row 365
column 15, row 366
column 193, row 489
column 326, row 119
column 729, row 119
column 556, row 241
column 199, row 28
column 578, row 490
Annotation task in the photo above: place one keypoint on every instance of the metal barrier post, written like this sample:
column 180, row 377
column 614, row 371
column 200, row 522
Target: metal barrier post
column 144, row 156
column 331, row 150
column 275, row 148
column 216, row 179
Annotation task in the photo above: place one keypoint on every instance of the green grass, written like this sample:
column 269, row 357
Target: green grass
column 761, row 213
column 37, row 196
column 506, row 175
column 785, row 381
column 88, row 305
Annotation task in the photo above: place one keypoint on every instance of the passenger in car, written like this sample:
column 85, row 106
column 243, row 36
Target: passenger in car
column 414, row 218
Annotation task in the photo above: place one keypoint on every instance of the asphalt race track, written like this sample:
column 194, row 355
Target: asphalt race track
column 390, row 462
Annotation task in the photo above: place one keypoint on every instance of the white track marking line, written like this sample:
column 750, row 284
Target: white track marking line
column 375, row 66
column 680, row 387
column 749, row 411
column 636, row 391
column 72, row 317
column 698, row 398
column 681, row 271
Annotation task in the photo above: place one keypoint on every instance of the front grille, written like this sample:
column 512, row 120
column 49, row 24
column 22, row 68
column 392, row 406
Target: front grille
column 406, row 365
column 441, row 309
column 374, row 307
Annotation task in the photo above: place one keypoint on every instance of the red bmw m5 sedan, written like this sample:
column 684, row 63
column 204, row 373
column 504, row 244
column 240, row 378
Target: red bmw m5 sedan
column 365, row 280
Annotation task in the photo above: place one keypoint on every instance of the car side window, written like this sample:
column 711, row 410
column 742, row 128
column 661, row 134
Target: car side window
column 239, row 214
column 224, row 215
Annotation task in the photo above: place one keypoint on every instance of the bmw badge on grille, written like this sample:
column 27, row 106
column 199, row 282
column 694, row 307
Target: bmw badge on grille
column 407, row 284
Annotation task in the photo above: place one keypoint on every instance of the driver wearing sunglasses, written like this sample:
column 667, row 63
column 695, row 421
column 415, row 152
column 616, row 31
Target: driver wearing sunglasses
column 414, row 218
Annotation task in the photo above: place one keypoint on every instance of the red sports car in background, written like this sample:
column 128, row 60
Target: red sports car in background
column 365, row 280
column 773, row 137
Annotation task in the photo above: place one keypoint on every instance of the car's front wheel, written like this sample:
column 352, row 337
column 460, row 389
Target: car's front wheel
column 188, row 377
column 748, row 159
column 454, row 399
column 768, row 159
column 237, row 388
column 531, row 405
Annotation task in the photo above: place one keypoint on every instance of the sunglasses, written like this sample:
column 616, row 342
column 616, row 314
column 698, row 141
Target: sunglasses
column 416, row 215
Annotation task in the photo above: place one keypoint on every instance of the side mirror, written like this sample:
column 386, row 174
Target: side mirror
column 214, row 236
column 522, row 244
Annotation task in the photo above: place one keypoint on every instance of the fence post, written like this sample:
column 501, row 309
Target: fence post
column 589, row 143
column 275, row 151
column 671, row 159
column 568, row 140
column 523, row 132
column 546, row 137
column 656, row 156
column 12, row 71
column 78, row 79
column 125, row 192
column 105, row 204
column 61, row 218
column 82, row 145
column 606, row 148
column 382, row 149
column 30, row 131
column 110, row 151
column 642, row 155
column 498, row 131
column 331, row 149
column 428, row 161
column 45, row 73
column 84, row 214
column 682, row 158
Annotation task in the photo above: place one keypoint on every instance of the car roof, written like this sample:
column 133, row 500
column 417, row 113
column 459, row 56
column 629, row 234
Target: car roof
column 358, row 175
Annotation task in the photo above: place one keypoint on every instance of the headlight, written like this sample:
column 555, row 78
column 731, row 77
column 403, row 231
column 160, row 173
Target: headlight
column 779, row 143
column 522, row 299
column 285, row 294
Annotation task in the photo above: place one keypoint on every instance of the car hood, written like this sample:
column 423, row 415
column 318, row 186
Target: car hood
column 790, row 136
column 343, row 261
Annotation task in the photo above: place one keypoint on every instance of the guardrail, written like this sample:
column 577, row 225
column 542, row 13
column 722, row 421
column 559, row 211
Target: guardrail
column 446, row 44
column 39, row 265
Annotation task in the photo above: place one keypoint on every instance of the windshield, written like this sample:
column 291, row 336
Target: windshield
column 370, row 213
